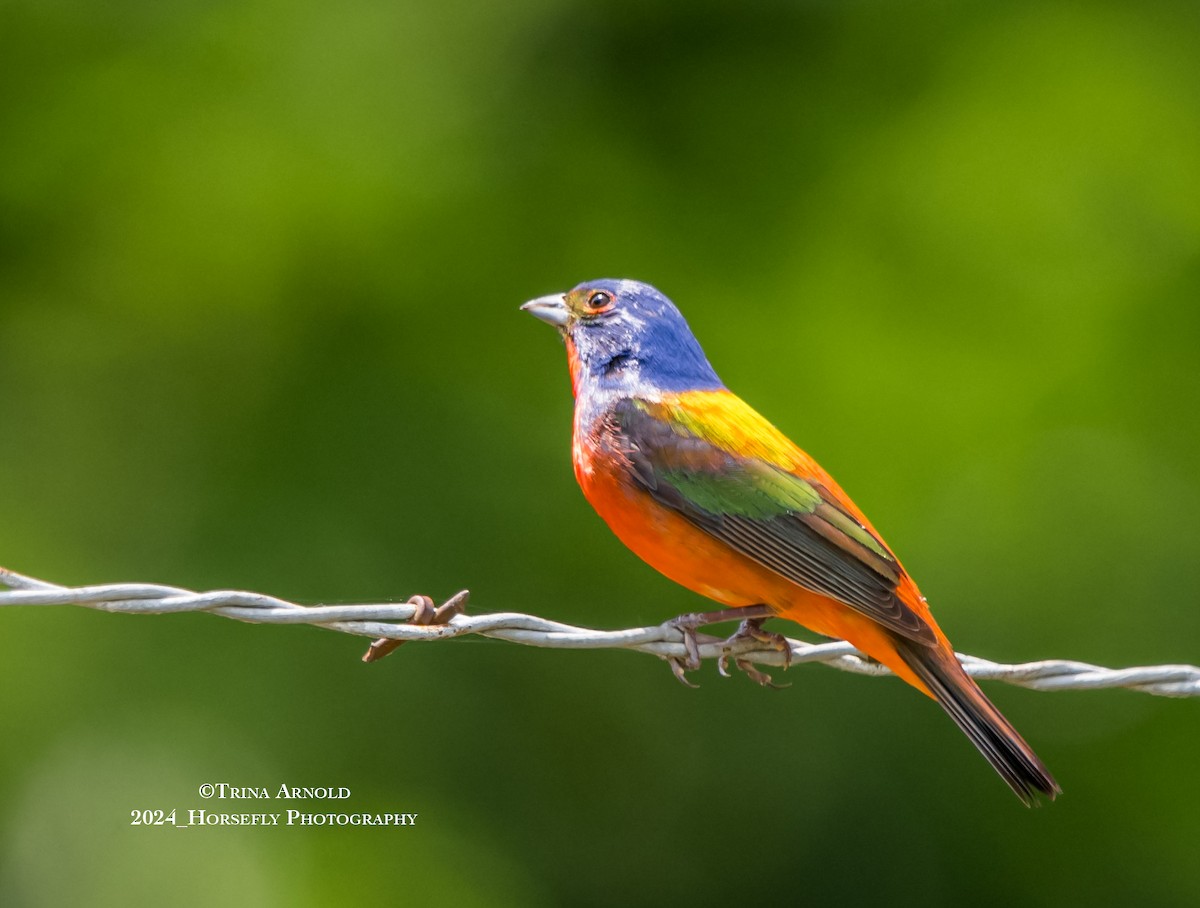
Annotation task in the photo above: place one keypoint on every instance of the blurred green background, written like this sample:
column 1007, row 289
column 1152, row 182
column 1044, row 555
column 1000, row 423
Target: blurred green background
column 260, row 265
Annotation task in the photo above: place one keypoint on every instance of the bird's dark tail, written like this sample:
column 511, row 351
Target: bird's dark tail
column 974, row 713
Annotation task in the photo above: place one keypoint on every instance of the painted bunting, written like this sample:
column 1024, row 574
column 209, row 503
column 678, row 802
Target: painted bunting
column 706, row 491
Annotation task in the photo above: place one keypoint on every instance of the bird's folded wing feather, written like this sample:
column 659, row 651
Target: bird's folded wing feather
column 729, row 472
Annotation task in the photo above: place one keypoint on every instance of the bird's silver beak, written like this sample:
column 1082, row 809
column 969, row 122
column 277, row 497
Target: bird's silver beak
column 550, row 309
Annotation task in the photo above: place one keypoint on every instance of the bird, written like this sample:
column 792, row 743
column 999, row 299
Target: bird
column 705, row 490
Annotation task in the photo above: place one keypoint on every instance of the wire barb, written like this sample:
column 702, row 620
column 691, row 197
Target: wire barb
column 663, row 640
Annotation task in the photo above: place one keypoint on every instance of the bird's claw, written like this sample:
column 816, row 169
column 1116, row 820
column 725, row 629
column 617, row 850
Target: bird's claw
column 687, row 624
column 751, row 629
column 678, row 668
column 691, row 646
column 761, row 678
column 425, row 613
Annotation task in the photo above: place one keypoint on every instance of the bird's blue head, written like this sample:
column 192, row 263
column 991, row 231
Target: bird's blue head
column 625, row 335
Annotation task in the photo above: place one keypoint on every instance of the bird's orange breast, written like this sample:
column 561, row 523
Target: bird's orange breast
column 663, row 539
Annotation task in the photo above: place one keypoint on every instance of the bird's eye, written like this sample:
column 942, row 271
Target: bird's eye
column 599, row 301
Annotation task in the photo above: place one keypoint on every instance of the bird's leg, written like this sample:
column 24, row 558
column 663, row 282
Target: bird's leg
column 751, row 629
column 424, row 614
column 687, row 624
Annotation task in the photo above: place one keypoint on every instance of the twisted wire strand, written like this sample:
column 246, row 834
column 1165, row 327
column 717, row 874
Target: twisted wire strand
column 379, row 620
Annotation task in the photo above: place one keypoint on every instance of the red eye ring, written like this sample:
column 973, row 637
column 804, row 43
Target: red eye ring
column 600, row 301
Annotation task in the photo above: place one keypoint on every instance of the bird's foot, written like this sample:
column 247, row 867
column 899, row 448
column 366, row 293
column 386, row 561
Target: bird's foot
column 687, row 625
column 751, row 629
column 424, row 614
column 690, row 661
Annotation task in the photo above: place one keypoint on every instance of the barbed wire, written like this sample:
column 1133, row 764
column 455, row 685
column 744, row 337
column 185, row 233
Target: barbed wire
column 663, row 640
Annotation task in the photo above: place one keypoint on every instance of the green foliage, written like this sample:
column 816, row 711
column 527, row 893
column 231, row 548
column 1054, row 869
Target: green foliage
column 260, row 266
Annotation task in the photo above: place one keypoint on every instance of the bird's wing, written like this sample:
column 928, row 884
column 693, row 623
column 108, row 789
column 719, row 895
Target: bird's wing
column 729, row 472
